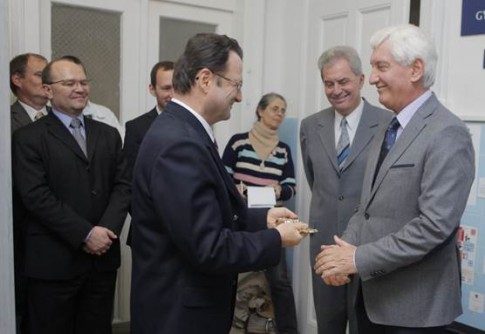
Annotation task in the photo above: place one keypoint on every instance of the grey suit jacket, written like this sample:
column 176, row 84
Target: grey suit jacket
column 406, row 224
column 18, row 116
column 335, row 195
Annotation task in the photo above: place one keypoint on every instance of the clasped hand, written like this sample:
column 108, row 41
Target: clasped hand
column 335, row 263
column 99, row 241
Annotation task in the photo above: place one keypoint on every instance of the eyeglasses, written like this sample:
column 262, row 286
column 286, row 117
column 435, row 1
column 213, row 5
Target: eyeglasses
column 234, row 83
column 71, row 83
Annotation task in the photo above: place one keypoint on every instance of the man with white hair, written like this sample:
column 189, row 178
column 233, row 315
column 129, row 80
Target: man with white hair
column 402, row 240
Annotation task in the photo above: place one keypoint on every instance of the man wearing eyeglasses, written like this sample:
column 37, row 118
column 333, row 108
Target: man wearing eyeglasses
column 191, row 232
column 71, row 175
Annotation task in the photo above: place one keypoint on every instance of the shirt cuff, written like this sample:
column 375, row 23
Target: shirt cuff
column 89, row 235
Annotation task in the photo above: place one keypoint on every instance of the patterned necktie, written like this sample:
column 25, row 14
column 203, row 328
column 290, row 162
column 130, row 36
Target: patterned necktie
column 389, row 140
column 38, row 115
column 343, row 146
column 76, row 132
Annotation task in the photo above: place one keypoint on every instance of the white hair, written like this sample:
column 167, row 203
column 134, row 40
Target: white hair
column 406, row 44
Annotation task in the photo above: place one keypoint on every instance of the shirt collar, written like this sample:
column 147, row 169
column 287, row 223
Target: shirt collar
column 66, row 119
column 32, row 111
column 352, row 119
column 408, row 112
column 201, row 119
column 157, row 108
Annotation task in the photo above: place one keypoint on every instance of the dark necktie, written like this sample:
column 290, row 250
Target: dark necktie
column 76, row 132
column 389, row 140
column 343, row 145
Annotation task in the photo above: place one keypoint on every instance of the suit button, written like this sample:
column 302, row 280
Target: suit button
column 341, row 197
column 94, row 192
column 235, row 217
column 366, row 216
column 87, row 168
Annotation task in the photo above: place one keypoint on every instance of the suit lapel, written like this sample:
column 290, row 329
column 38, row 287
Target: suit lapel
column 59, row 131
column 412, row 130
column 179, row 111
column 92, row 134
column 326, row 132
column 19, row 115
column 363, row 135
column 150, row 117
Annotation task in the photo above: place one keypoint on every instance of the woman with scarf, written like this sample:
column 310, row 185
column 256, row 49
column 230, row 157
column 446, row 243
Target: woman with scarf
column 259, row 158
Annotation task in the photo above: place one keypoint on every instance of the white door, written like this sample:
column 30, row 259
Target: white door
column 125, row 16
column 183, row 20
column 333, row 23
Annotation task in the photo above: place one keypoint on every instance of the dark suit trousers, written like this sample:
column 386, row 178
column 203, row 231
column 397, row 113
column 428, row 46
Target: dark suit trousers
column 334, row 306
column 282, row 297
column 366, row 326
column 78, row 306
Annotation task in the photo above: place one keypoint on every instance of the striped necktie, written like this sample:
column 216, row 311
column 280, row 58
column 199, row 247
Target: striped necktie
column 343, row 146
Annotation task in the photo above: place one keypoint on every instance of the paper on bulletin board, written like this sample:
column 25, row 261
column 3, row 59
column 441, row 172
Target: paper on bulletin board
column 476, row 302
column 467, row 243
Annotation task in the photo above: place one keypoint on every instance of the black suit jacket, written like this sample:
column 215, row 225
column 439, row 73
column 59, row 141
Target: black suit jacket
column 18, row 117
column 190, row 232
column 66, row 194
column 135, row 130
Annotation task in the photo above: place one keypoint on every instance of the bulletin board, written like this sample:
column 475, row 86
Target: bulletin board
column 471, row 241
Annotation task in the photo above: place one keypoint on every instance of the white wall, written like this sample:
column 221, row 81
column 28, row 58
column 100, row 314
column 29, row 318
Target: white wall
column 460, row 84
column 7, row 313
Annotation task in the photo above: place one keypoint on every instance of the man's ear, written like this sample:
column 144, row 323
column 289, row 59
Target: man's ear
column 204, row 78
column 16, row 79
column 417, row 70
column 151, row 89
column 47, row 90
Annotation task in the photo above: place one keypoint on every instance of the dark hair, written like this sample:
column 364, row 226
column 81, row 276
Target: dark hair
column 204, row 50
column 266, row 100
column 18, row 65
column 164, row 65
column 46, row 73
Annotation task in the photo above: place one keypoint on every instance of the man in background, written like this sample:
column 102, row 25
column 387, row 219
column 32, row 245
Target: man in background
column 334, row 144
column 192, row 233
column 161, row 88
column 402, row 239
column 70, row 173
column 26, row 85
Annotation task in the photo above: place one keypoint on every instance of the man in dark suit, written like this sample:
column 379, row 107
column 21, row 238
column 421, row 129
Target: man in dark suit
column 336, row 181
column 402, row 240
column 192, row 233
column 161, row 88
column 72, row 177
column 26, row 85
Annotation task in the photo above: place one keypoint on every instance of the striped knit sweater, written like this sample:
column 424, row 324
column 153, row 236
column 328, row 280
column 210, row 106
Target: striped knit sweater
column 244, row 165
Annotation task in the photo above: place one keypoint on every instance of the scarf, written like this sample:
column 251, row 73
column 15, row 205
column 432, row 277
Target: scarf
column 263, row 139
